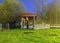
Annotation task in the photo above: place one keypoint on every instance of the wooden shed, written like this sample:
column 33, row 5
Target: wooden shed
column 27, row 19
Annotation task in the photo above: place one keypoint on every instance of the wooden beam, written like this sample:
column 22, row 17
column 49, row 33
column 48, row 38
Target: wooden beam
column 33, row 22
column 27, row 22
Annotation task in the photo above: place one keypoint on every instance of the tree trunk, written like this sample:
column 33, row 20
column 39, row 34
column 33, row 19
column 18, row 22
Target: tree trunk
column 12, row 25
column 0, row 26
column 8, row 26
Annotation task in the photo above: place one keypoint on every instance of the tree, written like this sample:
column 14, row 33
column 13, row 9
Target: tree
column 41, row 11
column 50, row 15
column 53, row 14
column 9, row 11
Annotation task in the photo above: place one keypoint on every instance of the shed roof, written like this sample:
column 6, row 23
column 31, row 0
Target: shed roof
column 28, row 15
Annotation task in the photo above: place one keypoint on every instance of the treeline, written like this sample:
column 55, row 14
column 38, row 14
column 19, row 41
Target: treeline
column 9, row 11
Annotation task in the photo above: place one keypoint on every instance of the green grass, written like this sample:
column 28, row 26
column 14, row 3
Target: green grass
column 30, row 36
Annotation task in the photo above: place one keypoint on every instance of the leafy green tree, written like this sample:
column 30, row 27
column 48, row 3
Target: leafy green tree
column 9, row 11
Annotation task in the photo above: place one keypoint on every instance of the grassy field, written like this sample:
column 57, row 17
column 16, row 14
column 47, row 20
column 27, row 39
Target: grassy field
column 30, row 36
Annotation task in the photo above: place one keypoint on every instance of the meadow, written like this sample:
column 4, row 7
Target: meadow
column 30, row 36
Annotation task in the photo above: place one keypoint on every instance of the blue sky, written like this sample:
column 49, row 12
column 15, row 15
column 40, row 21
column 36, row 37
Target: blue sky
column 1, row 1
column 30, row 4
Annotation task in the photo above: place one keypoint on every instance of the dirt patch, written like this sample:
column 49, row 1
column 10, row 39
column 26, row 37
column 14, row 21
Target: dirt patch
column 28, row 32
column 53, row 34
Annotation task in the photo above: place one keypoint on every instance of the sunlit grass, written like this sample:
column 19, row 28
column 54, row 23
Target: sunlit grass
column 30, row 36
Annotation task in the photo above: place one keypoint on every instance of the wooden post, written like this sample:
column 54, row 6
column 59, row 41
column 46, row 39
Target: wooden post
column 21, row 23
column 33, row 22
column 27, row 22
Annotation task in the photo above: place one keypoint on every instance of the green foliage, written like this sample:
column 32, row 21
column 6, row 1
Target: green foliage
column 9, row 10
column 53, row 14
column 50, row 16
column 38, row 21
